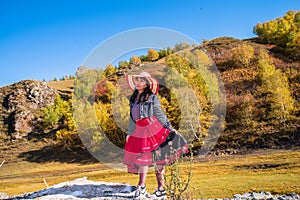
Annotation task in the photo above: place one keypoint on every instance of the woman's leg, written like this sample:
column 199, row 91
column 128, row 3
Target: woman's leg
column 141, row 188
column 160, row 177
column 143, row 170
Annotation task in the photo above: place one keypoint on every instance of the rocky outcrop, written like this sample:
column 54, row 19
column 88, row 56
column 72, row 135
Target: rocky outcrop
column 30, row 94
column 23, row 123
column 21, row 106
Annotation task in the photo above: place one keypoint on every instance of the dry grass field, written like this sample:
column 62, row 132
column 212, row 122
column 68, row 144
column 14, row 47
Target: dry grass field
column 277, row 172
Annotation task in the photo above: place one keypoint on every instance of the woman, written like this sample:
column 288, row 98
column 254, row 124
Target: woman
column 151, row 140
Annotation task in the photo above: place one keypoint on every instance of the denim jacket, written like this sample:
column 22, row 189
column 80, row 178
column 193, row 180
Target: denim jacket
column 150, row 108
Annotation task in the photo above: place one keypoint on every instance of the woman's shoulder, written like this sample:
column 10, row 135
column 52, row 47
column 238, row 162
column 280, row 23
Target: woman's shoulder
column 152, row 97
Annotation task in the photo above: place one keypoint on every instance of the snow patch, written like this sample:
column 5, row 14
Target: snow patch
column 82, row 188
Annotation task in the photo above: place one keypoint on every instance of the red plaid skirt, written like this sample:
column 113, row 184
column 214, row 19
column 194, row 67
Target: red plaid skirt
column 146, row 142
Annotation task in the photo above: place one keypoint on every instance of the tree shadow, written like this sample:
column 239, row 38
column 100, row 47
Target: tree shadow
column 59, row 153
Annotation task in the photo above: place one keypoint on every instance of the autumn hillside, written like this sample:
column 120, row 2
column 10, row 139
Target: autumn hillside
column 261, row 78
column 250, row 121
column 262, row 93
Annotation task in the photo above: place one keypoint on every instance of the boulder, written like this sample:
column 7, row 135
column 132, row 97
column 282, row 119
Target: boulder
column 23, row 123
column 22, row 104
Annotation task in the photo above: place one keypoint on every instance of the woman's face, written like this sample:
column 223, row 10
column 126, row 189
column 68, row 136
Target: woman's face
column 140, row 84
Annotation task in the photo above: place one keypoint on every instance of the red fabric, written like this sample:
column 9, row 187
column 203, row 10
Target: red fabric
column 148, row 135
column 143, row 146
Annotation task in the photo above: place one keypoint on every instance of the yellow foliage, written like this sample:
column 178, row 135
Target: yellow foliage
column 135, row 60
column 109, row 70
column 103, row 113
column 152, row 55
column 275, row 85
column 242, row 55
column 282, row 31
column 68, row 137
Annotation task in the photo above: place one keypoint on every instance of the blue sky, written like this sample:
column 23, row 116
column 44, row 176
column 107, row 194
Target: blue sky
column 47, row 39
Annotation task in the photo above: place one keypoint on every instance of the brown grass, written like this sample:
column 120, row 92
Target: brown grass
column 64, row 85
column 277, row 172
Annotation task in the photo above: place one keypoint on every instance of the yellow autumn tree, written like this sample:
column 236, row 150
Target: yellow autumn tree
column 242, row 55
column 152, row 55
column 135, row 60
column 275, row 88
column 60, row 114
column 293, row 47
column 186, row 80
column 283, row 31
column 109, row 70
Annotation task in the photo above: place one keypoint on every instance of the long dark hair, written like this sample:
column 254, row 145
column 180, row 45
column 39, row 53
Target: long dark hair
column 143, row 96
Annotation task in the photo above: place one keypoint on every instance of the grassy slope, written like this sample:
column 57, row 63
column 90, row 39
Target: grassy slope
column 214, row 178
column 240, row 81
column 277, row 172
column 64, row 87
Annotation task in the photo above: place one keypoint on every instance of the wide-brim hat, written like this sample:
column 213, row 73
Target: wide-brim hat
column 153, row 82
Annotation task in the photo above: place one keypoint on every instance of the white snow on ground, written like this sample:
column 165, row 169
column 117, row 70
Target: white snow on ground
column 82, row 188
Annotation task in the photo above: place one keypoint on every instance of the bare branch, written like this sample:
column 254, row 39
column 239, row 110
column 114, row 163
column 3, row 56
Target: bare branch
column 46, row 183
column 2, row 163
